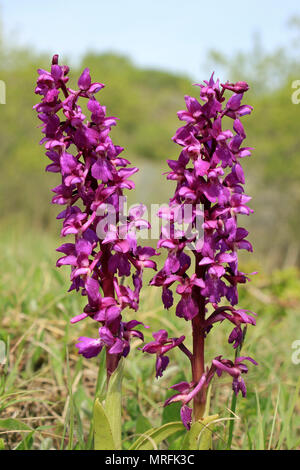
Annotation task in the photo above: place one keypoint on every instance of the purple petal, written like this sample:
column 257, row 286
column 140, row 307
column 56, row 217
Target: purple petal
column 186, row 416
column 89, row 347
column 85, row 81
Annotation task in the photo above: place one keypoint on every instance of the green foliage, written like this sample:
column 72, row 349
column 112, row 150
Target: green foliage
column 13, row 425
column 150, row 439
column 103, row 437
column 200, row 435
column 113, row 403
column 37, row 390
column 107, row 417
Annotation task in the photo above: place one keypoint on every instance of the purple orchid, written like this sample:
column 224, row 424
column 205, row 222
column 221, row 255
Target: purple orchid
column 160, row 347
column 209, row 174
column 93, row 177
column 235, row 370
column 187, row 392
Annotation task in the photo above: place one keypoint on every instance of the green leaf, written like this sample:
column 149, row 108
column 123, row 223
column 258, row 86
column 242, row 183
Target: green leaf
column 142, row 425
column 205, row 439
column 151, row 438
column 171, row 412
column 13, row 425
column 101, row 379
column 103, row 437
column 107, row 417
column 26, row 443
column 208, row 401
column 100, row 394
column 200, row 435
column 113, row 404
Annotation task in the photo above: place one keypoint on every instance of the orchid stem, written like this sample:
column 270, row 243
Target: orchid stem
column 198, row 365
column 234, row 397
column 186, row 351
column 232, row 421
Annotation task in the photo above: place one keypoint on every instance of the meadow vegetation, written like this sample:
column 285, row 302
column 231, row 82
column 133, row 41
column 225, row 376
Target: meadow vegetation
column 46, row 389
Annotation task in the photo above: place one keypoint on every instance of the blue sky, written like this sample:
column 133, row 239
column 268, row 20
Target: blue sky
column 167, row 34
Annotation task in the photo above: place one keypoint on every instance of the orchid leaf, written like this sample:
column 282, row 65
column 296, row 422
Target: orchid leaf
column 151, row 438
column 142, row 424
column 200, row 435
column 107, row 417
column 103, row 437
column 113, row 404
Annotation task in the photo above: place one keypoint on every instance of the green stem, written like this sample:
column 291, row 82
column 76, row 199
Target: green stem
column 232, row 421
column 234, row 398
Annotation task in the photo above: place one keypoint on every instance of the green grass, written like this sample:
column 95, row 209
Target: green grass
column 47, row 390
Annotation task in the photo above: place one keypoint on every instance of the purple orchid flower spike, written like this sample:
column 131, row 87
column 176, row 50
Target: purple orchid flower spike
column 203, row 269
column 93, row 178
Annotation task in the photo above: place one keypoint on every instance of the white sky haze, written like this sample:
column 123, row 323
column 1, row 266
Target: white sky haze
column 168, row 34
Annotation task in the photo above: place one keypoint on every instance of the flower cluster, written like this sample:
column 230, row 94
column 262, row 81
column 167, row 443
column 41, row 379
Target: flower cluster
column 94, row 176
column 209, row 175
